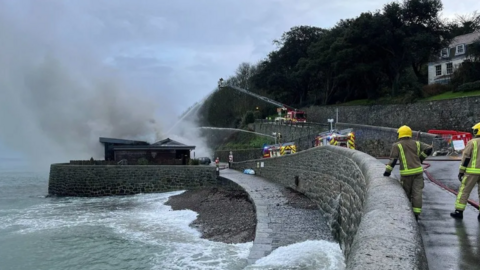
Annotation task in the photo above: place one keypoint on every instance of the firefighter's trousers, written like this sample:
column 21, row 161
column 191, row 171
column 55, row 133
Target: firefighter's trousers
column 413, row 186
column 468, row 182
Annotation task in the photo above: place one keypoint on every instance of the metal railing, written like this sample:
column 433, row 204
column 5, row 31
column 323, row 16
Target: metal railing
column 123, row 162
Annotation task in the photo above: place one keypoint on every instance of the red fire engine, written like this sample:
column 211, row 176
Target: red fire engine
column 343, row 138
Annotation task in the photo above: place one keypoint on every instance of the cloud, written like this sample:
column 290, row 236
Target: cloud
column 88, row 67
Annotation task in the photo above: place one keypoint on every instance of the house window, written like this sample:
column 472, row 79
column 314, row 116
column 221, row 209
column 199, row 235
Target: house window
column 460, row 49
column 438, row 70
column 449, row 68
column 444, row 53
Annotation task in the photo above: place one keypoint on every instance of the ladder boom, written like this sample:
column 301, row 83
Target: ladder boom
column 222, row 84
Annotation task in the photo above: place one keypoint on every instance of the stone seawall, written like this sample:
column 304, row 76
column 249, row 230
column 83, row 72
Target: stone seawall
column 457, row 114
column 289, row 132
column 105, row 180
column 302, row 135
column 377, row 141
column 373, row 140
column 369, row 214
column 239, row 155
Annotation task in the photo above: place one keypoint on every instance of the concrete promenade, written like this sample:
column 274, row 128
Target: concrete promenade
column 278, row 224
column 449, row 244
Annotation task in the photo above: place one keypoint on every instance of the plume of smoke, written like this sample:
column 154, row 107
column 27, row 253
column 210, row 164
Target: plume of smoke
column 188, row 133
column 56, row 102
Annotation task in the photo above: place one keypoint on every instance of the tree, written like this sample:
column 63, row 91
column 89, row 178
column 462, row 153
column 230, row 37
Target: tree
column 464, row 24
column 425, row 33
column 277, row 72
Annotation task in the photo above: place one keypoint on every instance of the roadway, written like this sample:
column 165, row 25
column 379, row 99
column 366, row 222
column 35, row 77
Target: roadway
column 449, row 244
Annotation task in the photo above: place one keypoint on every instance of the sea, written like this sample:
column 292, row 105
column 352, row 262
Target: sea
column 38, row 232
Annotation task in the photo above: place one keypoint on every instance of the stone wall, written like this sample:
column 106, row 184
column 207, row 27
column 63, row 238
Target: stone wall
column 239, row 155
column 289, row 132
column 455, row 114
column 302, row 134
column 377, row 141
column 105, row 180
column 373, row 140
column 94, row 162
column 369, row 214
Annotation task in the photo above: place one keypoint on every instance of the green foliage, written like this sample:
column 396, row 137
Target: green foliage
column 468, row 87
column 194, row 162
column 451, row 94
column 378, row 57
column 464, row 24
column 142, row 161
column 468, row 71
column 248, row 118
column 245, row 141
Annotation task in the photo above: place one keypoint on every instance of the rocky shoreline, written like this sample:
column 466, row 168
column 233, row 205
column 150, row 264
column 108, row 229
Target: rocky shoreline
column 226, row 215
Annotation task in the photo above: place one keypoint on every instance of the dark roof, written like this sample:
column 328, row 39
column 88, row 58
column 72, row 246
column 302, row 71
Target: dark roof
column 121, row 141
column 168, row 142
column 154, row 147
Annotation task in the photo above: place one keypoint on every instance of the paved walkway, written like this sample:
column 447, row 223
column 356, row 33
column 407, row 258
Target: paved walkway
column 446, row 172
column 278, row 224
column 449, row 243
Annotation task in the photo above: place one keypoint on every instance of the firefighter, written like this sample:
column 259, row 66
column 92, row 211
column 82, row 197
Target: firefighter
column 217, row 166
column 469, row 173
column 411, row 154
column 230, row 159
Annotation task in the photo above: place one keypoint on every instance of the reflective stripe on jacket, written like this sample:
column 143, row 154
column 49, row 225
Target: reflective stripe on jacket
column 408, row 151
column 406, row 170
column 471, row 151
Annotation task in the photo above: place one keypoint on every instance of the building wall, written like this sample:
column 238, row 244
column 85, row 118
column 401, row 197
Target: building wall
column 160, row 157
column 457, row 114
column 432, row 76
column 105, row 180
column 369, row 214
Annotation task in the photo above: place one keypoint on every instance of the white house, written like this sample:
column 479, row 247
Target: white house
column 450, row 58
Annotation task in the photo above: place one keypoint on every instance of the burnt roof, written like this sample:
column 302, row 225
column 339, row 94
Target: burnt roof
column 122, row 141
column 168, row 142
column 154, row 147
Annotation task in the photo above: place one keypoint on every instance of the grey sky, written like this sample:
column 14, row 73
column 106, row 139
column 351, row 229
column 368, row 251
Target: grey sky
column 170, row 52
column 178, row 49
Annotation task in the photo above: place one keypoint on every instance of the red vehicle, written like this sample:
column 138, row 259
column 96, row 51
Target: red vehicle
column 294, row 115
column 342, row 138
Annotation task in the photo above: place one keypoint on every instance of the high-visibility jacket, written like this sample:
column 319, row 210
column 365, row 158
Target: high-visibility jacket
column 408, row 152
column 471, row 151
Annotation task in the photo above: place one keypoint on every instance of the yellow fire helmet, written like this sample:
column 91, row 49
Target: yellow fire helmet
column 404, row 131
column 476, row 130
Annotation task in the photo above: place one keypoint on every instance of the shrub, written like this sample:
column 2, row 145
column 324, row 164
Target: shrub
column 248, row 118
column 435, row 89
column 257, row 115
column 471, row 86
column 194, row 162
column 469, row 71
column 142, row 161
